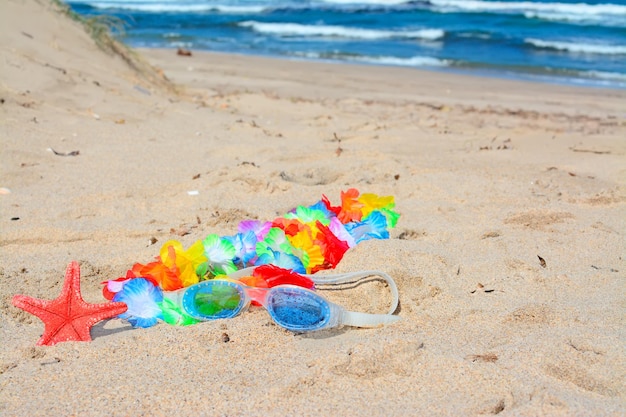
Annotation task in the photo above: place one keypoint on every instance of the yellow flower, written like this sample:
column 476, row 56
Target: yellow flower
column 185, row 261
column 372, row 202
column 311, row 250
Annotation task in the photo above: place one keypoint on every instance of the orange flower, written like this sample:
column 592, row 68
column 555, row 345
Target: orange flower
column 350, row 206
column 166, row 277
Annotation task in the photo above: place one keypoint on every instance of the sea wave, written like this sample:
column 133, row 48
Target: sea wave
column 296, row 29
column 578, row 48
column 368, row 2
column 597, row 79
column 579, row 19
column 172, row 6
column 414, row 61
column 528, row 6
column 609, row 76
column 605, row 14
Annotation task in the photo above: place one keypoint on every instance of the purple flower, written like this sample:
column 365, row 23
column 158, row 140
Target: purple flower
column 245, row 247
column 259, row 228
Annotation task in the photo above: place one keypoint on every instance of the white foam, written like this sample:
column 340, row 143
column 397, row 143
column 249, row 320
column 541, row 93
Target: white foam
column 604, row 20
column 580, row 48
column 295, row 29
column 415, row 61
column 474, row 35
column 528, row 6
column 368, row 2
column 174, row 6
column 610, row 76
column 599, row 78
column 240, row 9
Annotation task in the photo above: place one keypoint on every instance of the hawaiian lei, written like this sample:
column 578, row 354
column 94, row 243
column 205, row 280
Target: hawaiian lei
column 305, row 240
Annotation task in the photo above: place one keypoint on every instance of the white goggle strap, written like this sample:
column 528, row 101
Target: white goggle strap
column 337, row 279
column 349, row 318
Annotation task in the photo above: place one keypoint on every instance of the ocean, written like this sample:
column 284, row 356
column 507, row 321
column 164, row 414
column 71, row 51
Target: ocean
column 566, row 42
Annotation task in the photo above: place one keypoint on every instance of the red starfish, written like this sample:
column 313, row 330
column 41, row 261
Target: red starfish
column 68, row 317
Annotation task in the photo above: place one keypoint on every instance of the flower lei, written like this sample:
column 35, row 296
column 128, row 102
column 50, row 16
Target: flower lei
column 303, row 241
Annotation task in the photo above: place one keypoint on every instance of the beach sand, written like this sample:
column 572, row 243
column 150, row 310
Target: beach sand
column 488, row 175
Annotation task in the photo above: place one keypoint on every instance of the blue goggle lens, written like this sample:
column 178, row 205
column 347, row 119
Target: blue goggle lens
column 298, row 309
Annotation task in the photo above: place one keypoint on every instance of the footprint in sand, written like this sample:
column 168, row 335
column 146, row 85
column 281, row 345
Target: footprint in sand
column 313, row 176
column 538, row 219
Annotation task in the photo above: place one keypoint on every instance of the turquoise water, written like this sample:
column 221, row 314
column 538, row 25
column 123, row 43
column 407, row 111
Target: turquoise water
column 559, row 42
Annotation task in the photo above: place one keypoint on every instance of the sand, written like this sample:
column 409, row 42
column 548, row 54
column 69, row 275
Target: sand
column 488, row 175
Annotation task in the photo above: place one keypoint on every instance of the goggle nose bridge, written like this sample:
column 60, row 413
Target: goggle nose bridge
column 257, row 295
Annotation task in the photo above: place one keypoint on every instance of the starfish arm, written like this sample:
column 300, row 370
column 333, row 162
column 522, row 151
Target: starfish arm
column 73, row 327
column 68, row 317
column 34, row 306
column 91, row 314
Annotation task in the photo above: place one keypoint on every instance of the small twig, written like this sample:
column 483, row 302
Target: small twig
column 542, row 261
column 339, row 149
column 590, row 151
column 62, row 70
column 72, row 153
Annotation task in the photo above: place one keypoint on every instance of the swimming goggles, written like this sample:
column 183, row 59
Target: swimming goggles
column 293, row 307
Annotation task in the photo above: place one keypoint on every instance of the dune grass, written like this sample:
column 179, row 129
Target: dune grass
column 101, row 29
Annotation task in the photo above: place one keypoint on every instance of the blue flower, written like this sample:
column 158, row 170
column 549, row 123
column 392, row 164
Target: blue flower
column 320, row 206
column 142, row 298
column 373, row 226
column 245, row 247
column 281, row 259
